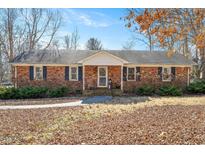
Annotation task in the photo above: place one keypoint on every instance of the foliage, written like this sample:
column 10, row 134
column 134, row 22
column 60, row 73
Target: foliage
column 58, row 92
column 197, row 87
column 8, row 93
column 169, row 91
column 32, row 92
column 145, row 90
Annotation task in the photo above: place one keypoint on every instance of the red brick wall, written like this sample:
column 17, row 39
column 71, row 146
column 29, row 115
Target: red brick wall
column 90, row 76
column 55, row 77
column 114, row 73
column 149, row 76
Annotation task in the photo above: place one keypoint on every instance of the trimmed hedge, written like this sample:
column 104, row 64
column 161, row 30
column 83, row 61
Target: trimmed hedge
column 197, row 87
column 145, row 90
column 32, row 92
column 58, row 92
column 169, row 91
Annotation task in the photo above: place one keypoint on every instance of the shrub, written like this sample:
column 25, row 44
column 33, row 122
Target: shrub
column 197, row 87
column 58, row 92
column 31, row 92
column 8, row 93
column 169, row 91
column 145, row 90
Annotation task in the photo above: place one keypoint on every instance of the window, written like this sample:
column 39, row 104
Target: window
column 38, row 73
column 74, row 73
column 131, row 73
column 166, row 74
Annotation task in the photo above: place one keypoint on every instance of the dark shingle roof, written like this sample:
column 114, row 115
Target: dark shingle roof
column 72, row 57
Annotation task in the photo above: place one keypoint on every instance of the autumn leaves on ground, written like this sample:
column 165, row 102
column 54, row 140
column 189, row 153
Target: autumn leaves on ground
column 156, row 121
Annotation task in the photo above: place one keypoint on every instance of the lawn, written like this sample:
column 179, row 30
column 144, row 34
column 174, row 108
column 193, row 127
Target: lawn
column 167, row 120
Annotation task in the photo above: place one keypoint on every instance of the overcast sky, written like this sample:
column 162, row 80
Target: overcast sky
column 104, row 24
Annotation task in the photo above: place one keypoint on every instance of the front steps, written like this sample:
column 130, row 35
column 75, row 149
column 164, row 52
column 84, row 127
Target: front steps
column 102, row 92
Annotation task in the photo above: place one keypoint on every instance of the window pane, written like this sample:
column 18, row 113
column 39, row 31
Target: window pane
column 131, row 73
column 102, row 81
column 102, row 72
column 166, row 74
column 39, row 74
column 73, row 76
column 73, row 69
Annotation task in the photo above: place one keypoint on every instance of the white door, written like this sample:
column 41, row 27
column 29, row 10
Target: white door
column 102, row 76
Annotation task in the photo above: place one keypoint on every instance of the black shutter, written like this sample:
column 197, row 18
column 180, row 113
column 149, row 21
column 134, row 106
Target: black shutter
column 137, row 73
column 31, row 72
column 67, row 73
column 44, row 72
column 160, row 72
column 124, row 73
column 173, row 70
column 80, row 73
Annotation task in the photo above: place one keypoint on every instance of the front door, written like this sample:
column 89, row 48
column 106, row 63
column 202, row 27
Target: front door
column 102, row 76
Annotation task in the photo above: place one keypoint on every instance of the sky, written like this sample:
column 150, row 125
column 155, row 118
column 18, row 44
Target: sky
column 104, row 24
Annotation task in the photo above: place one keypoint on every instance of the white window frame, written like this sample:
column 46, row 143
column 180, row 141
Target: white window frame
column 134, row 74
column 98, row 82
column 70, row 73
column 170, row 71
column 35, row 72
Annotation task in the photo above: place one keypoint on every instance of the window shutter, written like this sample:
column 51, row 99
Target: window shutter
column 124, row 73
column 44, row 72
column 173, row 72
column 31, row 72
column 80, row 73
column 137, row 73
column 67, row 73
column 160, row 72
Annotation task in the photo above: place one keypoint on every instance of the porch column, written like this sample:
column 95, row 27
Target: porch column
column 83, row 77
column 121, row 77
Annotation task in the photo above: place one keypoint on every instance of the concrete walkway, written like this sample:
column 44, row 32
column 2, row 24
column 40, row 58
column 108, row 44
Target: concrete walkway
column 76, row 103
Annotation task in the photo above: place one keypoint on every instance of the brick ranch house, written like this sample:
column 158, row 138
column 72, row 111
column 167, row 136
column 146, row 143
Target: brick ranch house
column 92, row 70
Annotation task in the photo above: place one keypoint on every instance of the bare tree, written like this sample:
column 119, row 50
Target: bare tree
column 75, row 37
column 129, row 44
column 67, row 41
column 41, row 26
column 94, row 44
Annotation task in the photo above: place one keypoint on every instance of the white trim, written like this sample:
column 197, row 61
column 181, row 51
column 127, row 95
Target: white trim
column 134, row 73
column 168, row 80
column 73, row 66
column 126, row 65
column 15, row 76
column 83, row 77
column 156, row 65
column 106, row 71
column 121, row 77
column 102, row 52
column 188, row 78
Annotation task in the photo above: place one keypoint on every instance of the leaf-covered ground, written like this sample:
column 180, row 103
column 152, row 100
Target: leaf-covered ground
column 157, row 121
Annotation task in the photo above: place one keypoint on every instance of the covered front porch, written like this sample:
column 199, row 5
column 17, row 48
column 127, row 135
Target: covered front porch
column 102, row 72
column 102, row 79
